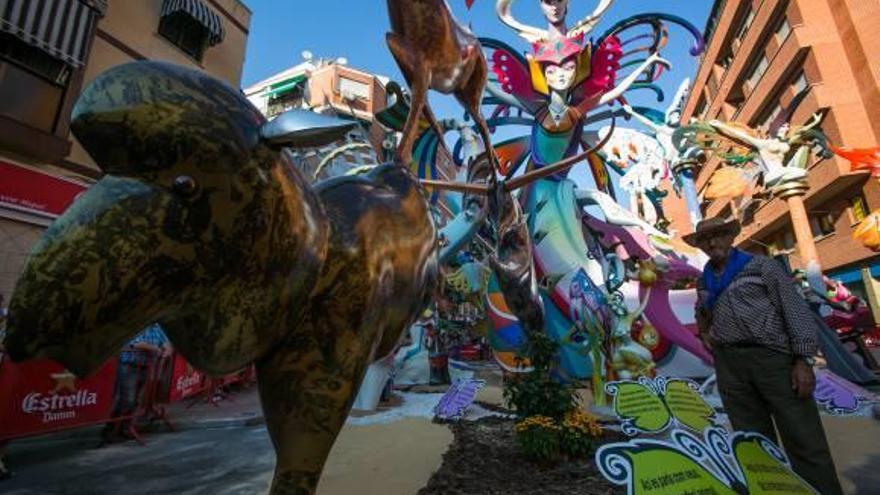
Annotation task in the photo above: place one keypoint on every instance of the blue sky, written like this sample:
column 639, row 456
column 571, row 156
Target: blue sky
column 355, row 29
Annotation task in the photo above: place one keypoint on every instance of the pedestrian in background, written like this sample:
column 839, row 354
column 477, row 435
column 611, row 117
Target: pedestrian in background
column 764, row 340
column 135, row 362
column 5, row 473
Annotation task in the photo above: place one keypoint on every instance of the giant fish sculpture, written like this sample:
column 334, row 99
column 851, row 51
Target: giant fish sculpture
column 202, row 224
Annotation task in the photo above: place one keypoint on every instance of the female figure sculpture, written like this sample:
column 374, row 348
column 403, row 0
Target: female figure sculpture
column 772, row 151
column 562, row 83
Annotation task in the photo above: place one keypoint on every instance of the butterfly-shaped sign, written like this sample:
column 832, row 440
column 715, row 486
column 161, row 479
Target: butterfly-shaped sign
column 720, row 463
column 653, row 405
column 838, row 395
column 456, row 401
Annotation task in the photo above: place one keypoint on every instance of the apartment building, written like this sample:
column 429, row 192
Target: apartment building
column 761, row 54
column 49, row 51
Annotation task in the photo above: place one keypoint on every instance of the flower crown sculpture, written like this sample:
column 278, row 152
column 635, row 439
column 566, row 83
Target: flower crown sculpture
column 558, row 52
column 550, row 50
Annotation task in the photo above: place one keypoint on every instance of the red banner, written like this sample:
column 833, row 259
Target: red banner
column 36, row 192
column 40, row 397
column 186, row 381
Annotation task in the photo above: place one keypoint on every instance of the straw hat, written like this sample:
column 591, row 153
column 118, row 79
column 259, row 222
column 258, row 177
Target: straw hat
column 712, row 226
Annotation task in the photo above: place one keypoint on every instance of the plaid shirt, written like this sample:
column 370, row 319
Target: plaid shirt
column 762, row 306
column 152, row 335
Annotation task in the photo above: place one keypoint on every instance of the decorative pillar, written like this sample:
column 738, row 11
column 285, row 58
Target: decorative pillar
column 793, row 193
column 686, row 170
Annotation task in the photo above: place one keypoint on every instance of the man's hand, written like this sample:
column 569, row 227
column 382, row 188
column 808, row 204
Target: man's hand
column 706, row 339
column 803, row 381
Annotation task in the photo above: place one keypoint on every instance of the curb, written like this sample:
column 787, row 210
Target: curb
column 94, row 432
column 248, row 420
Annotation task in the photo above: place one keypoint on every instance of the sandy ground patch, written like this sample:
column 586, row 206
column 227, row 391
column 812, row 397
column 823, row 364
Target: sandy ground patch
column 382, row 459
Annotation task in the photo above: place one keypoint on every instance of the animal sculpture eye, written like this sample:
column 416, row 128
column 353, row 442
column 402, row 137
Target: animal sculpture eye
column 185, row 186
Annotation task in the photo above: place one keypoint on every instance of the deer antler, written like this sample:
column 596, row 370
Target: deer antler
column 529, row 33
column 585, row 25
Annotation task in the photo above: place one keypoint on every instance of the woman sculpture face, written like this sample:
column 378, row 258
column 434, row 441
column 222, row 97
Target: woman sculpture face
column 561, row 77
column 555, row 10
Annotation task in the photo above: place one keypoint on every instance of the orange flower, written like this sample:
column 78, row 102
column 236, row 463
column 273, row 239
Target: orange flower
column 868, row 232
column 727, row 182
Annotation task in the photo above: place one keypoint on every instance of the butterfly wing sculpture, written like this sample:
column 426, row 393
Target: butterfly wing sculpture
column 652, row 406
column 688, row 464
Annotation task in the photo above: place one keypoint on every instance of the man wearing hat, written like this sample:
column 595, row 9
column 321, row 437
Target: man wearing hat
column 763, row 337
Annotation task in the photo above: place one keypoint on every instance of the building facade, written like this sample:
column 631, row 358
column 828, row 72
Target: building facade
column 332, row 87
column 762, row 53
column 49, row 51
column 329, row 87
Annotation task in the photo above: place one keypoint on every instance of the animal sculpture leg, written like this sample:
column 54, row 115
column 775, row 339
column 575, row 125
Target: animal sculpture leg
column 470, row 97
column 419, row 78
column 306, row 397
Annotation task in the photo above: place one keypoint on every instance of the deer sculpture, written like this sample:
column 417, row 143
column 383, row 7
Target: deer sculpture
column 434, row 51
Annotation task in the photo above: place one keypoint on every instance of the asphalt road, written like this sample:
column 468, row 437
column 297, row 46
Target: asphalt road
column 197, row 462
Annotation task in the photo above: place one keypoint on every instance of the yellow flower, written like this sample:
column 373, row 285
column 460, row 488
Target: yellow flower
column 582, row 423
column 536, row 421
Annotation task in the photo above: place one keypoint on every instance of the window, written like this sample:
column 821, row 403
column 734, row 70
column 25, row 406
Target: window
column 781, row 242
column 766, row 121
column 787, row 240
column 294, row 98
column 783, row 30
column 758, row 72
column 800, row 83
column 822, row 225
column 351, row 89
column 35, row 78
column 700, row 110
column 858, row 208
column 747, row 23
column 186, row 33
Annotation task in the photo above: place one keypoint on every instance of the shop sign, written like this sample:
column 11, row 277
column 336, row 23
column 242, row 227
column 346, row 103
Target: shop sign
column 36, row 192
column 41, row 396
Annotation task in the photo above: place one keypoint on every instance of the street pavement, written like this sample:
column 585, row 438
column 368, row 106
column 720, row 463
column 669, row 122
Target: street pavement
column 236, row 460
column 225, row 450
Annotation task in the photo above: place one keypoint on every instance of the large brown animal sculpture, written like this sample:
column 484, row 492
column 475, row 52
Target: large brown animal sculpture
column 435, row 52
column 202, row 224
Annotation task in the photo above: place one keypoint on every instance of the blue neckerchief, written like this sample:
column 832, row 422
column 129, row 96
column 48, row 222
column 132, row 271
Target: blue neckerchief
column 736, row 261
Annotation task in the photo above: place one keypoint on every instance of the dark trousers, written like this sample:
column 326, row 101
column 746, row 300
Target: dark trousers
column 755, row 386
column 126, row 395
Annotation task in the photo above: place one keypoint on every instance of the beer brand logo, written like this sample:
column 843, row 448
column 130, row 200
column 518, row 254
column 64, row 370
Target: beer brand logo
column 36, row 402
column 58, row 407
column 186, row 382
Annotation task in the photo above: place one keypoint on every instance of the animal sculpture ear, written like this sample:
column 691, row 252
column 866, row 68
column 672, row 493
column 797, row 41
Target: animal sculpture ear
column 304, row 129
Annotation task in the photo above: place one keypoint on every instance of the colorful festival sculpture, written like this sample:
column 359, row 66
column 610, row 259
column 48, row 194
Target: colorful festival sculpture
column 564, row 85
